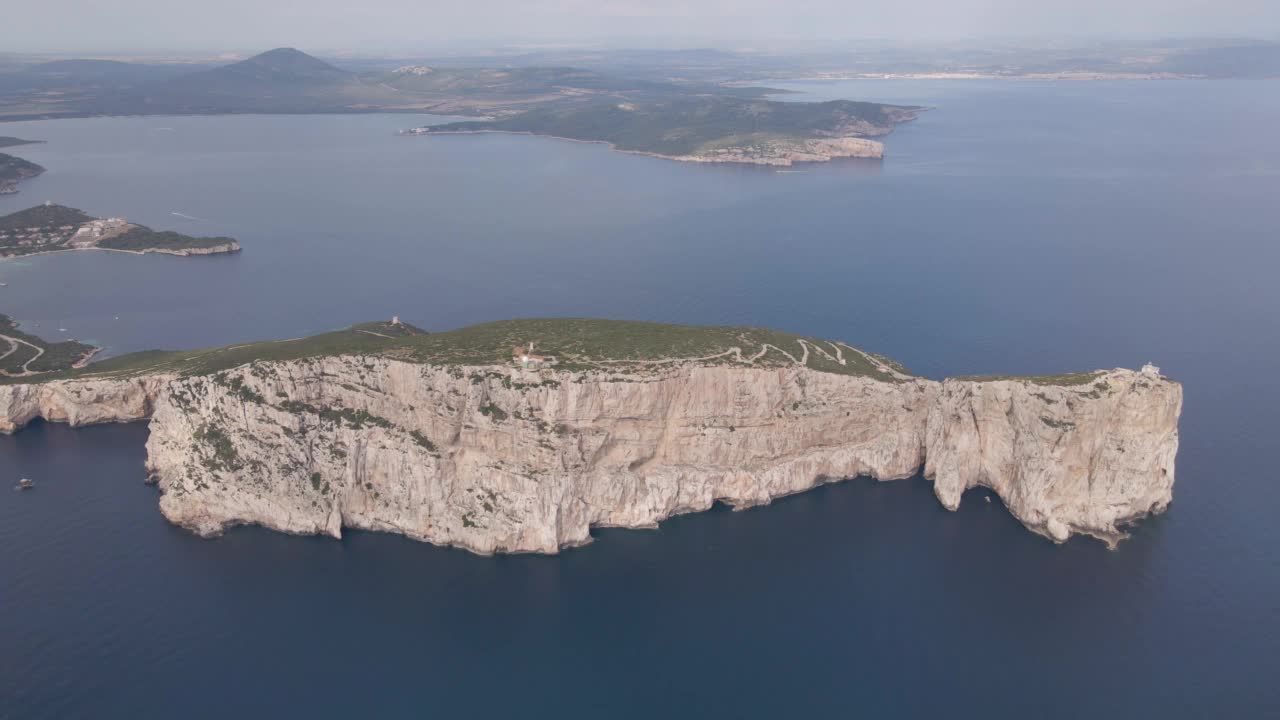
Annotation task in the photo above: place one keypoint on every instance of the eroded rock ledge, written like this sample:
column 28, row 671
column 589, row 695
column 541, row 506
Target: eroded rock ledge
column 495, row 458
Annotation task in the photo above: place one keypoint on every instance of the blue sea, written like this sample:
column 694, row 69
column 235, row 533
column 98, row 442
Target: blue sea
column 1016, row 227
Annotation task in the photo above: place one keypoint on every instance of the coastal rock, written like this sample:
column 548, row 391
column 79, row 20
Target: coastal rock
column 1064, row 459
column 79, row 402
column 228, row 247
column 788, row 154
column 502, row 459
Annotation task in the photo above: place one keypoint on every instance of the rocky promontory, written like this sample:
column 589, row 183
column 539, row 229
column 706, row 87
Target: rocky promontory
column 456, row 439
column 56, row 228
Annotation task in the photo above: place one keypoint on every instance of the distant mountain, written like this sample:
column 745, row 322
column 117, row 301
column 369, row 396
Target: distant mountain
column 280, row 80
column 282, row 68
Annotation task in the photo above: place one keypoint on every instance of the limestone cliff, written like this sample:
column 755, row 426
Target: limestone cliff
column 231, row 246
column 788, row 153
column 79, row 402
column 495, row 458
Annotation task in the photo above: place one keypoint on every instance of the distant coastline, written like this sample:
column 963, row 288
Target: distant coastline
column 645, row 153
column 229, row 249
column 1080, row 76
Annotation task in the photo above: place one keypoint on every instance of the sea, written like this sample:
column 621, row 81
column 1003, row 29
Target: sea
column 1015, row 227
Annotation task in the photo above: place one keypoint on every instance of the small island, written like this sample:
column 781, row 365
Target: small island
column 57, row 228
column 14, row 170
column 710, row 128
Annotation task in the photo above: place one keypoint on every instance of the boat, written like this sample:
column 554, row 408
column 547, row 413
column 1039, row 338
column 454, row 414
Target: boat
column 25, row 484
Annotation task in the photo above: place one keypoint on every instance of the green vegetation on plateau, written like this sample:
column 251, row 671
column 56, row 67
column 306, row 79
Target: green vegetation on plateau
column 364, row 339
column 1083, row 378
column 22, row 353
column 578, row 344
column 690, row 124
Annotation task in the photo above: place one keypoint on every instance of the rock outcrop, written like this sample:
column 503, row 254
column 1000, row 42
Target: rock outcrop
column 500, row 459
column 79, row 402
column 219, row 249
column 786, row 154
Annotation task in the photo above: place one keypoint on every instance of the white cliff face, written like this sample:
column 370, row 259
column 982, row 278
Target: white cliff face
column 219, row 249
column 1065, row 459
column 786, row 154
column 499, row 459
column 79, row 402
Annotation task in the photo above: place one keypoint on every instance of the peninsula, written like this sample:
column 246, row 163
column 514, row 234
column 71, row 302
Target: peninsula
column 520, row 436
column 57, row 228
column 14, row 170
column 710, row 128
column 10, row 141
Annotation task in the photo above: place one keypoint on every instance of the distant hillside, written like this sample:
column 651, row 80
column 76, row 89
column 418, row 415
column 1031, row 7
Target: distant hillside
column 289, row 80
column 80, row 76
column 280, row 80
column 44, row 217
column 505, row 81
column 274, row 70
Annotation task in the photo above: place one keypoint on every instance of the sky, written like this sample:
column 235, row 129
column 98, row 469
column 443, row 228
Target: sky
column 396, row 25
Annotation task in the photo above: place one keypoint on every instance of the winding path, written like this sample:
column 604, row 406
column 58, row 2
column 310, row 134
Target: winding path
column 13, row 347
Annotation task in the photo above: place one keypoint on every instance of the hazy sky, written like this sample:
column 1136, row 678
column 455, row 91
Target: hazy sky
column 238, row 25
